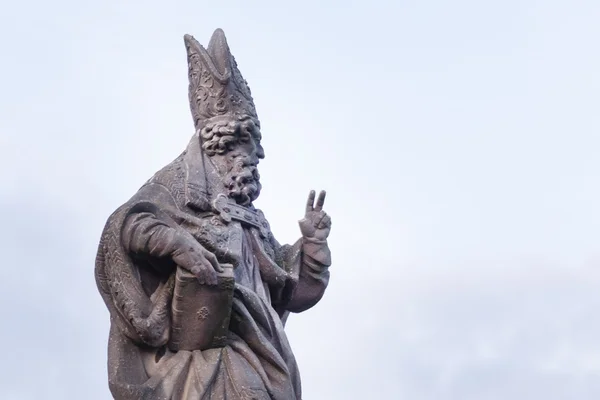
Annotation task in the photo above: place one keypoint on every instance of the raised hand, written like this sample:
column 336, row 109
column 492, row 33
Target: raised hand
column 199, row 261
column 316, row 224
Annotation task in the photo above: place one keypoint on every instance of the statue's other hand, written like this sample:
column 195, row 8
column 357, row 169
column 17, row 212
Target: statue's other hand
column 316, row 224
column 199, row 261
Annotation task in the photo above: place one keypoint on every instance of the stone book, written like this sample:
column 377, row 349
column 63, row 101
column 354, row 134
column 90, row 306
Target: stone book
column 200, row 313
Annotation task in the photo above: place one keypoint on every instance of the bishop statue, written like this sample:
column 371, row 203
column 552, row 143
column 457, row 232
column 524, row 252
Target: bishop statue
column 197, row 286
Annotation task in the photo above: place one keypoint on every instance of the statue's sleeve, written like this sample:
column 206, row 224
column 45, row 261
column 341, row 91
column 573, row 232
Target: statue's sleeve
column 310, row 260
column 146, row 234
column 151, row 233
column 139, row 228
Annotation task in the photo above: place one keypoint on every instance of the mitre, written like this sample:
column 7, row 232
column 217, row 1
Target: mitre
column 217, row 89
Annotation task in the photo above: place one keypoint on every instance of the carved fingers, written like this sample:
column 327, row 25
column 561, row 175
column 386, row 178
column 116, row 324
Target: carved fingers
column 199, row 261
column 325, row 221
column 310, row 203
column 212, row 259
column 320, row 201
column 205, row 274
column 316, row 223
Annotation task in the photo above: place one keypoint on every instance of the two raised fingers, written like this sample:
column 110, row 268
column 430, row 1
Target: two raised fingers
column 310, row 203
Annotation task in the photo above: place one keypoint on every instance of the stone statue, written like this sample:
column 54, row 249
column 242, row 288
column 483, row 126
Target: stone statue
column 197, row 287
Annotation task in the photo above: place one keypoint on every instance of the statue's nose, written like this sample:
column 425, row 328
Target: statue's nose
column 260, row 152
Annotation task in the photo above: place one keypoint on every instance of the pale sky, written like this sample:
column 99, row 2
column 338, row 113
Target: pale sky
column 457, row 141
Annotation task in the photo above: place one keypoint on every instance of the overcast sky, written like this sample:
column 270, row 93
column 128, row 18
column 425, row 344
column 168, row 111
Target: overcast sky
column 458, row 142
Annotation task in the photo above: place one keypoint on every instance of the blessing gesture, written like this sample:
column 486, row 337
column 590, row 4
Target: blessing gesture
column 316, row 224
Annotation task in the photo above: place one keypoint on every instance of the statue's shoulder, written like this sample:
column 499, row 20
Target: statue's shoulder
column 170, row 179
column 164, row 190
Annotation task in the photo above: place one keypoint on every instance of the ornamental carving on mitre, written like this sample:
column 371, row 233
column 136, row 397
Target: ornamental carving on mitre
column 216, row 86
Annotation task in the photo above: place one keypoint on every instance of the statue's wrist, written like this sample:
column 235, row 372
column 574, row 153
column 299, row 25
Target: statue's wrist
column 182, row 244
column 314, row 240
column 316, row 250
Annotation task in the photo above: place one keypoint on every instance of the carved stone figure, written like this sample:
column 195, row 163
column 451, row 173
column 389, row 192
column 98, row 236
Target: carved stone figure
column 197, row 287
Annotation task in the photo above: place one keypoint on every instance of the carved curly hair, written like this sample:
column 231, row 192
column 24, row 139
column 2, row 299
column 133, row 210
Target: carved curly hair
column 218, row 137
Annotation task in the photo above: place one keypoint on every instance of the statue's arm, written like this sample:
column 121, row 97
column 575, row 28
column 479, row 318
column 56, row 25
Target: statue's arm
column 314, row 253
column 313, row 275
column 141, row 230
column 135, row 229
column 147, row 235
column 309, row 260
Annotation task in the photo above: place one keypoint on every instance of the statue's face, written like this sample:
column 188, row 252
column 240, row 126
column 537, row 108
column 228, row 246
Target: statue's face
column 250, row 148
column 235, row 150
column 241, row 178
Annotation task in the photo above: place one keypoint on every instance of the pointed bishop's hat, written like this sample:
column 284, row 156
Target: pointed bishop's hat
column 217, row 89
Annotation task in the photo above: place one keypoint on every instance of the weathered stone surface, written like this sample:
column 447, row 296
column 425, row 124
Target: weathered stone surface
column 197, row 287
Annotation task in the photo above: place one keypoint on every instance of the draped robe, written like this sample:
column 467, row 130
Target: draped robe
column 134, row 273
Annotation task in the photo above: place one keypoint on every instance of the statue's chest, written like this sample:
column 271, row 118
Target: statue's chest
column 228, row 239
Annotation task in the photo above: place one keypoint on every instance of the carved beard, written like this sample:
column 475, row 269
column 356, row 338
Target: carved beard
column 242, row 181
